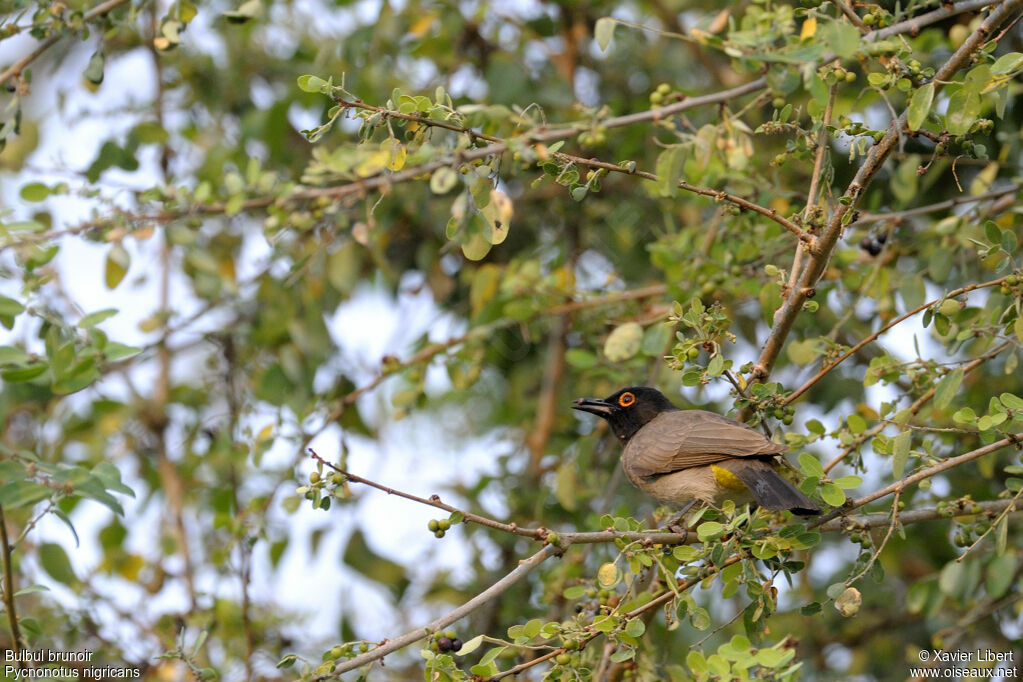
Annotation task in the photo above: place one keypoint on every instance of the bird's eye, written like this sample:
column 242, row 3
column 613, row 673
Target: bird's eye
column 626, row 399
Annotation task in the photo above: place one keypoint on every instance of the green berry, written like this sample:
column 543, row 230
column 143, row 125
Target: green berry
column 850, row 77
column 438, row 533
column 444, row 524
column 433, row 525
column 563, row 658
column 693, row 353
column 656, row 97
column 314, row 477
column 664, row 88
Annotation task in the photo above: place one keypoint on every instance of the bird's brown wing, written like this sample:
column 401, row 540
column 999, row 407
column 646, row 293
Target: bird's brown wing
column 682, row 439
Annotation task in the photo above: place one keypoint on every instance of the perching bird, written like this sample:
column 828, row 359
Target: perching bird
column 680, row 457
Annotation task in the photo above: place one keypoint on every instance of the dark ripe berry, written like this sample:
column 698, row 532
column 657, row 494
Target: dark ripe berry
column 456, row 644
column 444, row 644
column 578, row 608
column 882, row 238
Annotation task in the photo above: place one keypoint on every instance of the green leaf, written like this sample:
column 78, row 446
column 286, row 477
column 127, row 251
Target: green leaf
column 1012, row 401
column 580, row 358
column 919, row 106
column 92, row 319
column 24, row 373
column 947, row 388
column 856, row 424
column 35, row 191
column 964, row 108
column 56, row 563
column 670, row 164
column 1000, row 575
column 23, row 493
column 842, row 38
column 710, row 530
column 848, row 482
column 94, row 71
column 310, row 83
column 1007, row 64
column 9, row 355
column 832, row 494
column 604, row 31
column 810, row 465
column 635, row 628
column 470, row 646
column 900, row 453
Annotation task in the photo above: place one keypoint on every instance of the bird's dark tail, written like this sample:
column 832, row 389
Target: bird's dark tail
column 770, row 489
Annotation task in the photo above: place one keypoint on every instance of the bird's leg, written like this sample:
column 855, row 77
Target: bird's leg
column 673, row 524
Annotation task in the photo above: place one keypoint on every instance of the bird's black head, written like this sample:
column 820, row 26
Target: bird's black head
column 628, row 409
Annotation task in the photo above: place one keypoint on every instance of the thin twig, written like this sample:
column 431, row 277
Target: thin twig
column 17, row 67
column 945, row 465
column 873, row 337
column 898, row 216
column 914, row 407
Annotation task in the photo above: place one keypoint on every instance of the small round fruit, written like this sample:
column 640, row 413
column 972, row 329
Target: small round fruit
column 444, row 524
column 563, row 658
column 314, row 477
column 693, row 353
column 664, row 88
column 438, row 533
column 456, row 644
column 445, row 644
column 433, row 525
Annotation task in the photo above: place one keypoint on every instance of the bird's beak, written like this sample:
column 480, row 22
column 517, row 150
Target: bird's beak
column 599, row 407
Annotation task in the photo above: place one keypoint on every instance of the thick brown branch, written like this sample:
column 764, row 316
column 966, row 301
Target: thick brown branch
column 824, row 245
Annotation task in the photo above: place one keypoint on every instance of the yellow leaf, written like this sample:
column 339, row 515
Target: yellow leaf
column 809, row 28
column 395, row 152
column 607, row 575
column 422, row 25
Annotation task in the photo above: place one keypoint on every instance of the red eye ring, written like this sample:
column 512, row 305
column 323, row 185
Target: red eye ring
column 626, row 399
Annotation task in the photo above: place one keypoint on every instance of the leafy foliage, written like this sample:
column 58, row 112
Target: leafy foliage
column 802, row 212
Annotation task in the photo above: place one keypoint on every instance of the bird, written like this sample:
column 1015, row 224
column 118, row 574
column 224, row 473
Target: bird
column 684, row 457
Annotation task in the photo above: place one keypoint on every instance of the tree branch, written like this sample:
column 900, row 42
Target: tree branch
column 950, row 463
column 873, row 337
column 391, row 645
column 824, row 245
column 899, row 216
column 15, row 69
